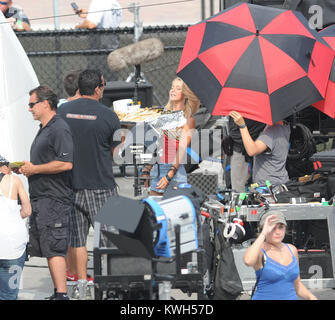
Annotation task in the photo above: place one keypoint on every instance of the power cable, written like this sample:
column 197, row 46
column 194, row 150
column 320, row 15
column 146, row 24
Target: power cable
column 75, row 14
column 302, row 143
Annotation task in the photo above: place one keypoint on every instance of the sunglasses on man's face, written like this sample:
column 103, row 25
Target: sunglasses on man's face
column 31, row 104
column 4, row 3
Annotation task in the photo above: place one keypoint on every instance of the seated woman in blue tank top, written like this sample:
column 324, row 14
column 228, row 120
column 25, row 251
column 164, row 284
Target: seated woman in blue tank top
column 279, row 276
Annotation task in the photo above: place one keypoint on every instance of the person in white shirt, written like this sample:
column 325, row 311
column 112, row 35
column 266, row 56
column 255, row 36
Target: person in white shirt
column 13, row 233
column 101, row 14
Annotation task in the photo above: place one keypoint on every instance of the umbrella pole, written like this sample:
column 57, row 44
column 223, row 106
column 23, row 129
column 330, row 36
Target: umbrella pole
column 225, row 160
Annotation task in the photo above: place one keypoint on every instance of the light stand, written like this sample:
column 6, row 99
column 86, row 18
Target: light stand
column 137, row 74
column 136, row 151
column 139, row 152
column 134, row 8
column 138, row 79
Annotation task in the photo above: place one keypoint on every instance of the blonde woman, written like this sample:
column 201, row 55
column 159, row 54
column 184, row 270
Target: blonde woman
column 276, row 263
column 175, row 141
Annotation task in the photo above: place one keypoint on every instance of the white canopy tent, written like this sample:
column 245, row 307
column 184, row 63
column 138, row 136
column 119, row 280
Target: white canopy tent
column 17, row 78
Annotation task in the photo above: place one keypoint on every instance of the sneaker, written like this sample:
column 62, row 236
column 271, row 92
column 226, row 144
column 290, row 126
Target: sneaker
column 71, row 277
column 74, row 277
column 75, row 292
column 76, row 295
column 82, row 288
column 61, row 296
column 90, row 279
column 58, row 296
column 52, row 297
column 88, row 293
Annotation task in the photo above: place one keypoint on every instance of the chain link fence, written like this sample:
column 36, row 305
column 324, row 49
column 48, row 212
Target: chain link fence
column 53, row 54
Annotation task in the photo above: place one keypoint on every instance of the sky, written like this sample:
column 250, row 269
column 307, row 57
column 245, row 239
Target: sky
column 152, row 12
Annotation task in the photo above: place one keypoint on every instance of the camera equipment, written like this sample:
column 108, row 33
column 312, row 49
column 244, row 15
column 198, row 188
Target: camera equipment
column 234, row 230
column 225, row 209
column 150, row 228
column 224, row 214
column 170, row 213
column 75, row 7
column 161, row 233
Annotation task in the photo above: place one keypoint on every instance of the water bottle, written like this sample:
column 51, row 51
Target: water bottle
column 19, row 20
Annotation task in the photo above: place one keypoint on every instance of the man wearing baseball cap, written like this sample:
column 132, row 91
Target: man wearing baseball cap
column 4, row 165
column 276, row 263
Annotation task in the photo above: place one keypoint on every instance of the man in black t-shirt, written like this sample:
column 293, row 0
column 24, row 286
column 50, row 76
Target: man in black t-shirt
column 94, row 127
column 50, row 188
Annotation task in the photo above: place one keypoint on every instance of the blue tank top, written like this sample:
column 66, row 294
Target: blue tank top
column 276, row 281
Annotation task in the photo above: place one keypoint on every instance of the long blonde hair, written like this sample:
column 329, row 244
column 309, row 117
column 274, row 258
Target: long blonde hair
column 191, row 101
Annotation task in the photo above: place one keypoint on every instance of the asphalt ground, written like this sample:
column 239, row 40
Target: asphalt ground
column 36, row 282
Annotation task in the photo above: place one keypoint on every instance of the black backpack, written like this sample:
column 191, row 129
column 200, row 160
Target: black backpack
column 311, row 190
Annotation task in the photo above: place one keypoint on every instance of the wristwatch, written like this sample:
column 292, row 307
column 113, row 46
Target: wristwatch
column 242, row 126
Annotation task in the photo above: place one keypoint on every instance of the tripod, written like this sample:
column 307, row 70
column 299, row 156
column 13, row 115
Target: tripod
column 140, row 78
column 137, row 74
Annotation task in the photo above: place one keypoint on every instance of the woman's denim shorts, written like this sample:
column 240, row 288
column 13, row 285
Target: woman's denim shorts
column 180, row 176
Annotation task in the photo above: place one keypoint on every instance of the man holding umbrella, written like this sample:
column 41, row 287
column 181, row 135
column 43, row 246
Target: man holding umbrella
column 240, row 168
column 269, row 150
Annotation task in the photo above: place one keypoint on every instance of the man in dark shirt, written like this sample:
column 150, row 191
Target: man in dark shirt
column 50, row 188
column 240, row 162
column 15, row 16
column 94, row 127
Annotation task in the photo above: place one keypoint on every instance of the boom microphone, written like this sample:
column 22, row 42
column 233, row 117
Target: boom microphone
column 135, row 54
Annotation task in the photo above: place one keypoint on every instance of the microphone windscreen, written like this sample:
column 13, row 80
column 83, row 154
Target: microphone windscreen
column 135, row 54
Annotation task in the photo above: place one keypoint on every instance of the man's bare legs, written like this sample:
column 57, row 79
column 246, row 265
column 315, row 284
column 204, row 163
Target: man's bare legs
column 81, row 258
column 71, row 261
column 57, row 267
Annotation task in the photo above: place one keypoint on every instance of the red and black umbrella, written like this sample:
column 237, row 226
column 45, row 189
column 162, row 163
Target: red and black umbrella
column 264, row 62
column 327, row 105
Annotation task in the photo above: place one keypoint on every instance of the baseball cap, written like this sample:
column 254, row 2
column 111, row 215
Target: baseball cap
column 280, row 216
column 3, row 161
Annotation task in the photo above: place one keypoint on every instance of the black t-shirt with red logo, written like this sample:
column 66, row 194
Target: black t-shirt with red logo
column 95, row 130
